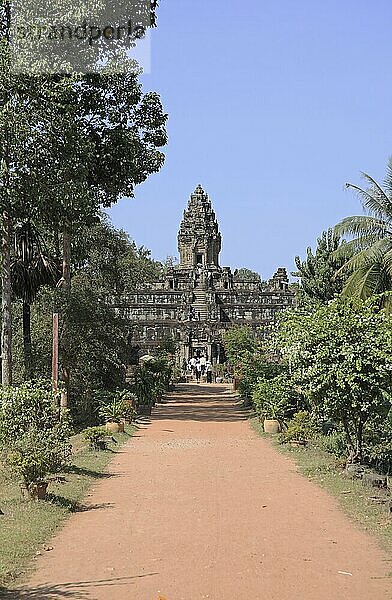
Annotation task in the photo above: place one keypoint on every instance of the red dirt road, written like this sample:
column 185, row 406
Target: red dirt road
column 200, row 507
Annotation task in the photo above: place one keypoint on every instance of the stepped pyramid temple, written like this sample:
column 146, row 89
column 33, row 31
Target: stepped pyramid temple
column 194, row 302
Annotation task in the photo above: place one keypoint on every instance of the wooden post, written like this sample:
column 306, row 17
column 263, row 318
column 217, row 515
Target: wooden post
column 55, row 352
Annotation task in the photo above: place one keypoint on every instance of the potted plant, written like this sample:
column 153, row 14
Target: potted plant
column 300, row 429
column 144, row 389
column 34, row 456
column 96, row 437
column 129, row 402
column 270, row 398
column 113, row 413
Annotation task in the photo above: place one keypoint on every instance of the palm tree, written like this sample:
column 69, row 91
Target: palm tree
column 31, row 268
column 370, row 264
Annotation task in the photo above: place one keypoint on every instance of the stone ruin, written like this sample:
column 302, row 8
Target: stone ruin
column 194, row 302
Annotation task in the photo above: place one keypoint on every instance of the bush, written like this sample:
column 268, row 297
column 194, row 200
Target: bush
column 380, row 455
column 129, row 403
column 95, row 436
column 334, row 443
column 33, row 439
column 271, row 398
column 30, row 405
column 113, row 412
column 37, row 454
column 301, row 428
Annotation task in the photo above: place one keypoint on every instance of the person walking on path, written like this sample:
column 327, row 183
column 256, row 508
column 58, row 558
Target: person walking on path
column 209, row 371
column 198, row 371
column 192, row 364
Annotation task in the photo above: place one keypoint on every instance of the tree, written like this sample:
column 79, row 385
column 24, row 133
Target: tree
column 250, row 358
column 239, row 342
column 341, row 358
column 31, row 268
column 70, row 144
column 109, row 257
column 245, row 274
column 100, row 338
column 370, row 265
column 319, row 281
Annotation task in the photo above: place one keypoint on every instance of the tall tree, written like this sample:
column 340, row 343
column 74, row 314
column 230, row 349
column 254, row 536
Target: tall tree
column 340, row 356
column 81, row 145
column 370, row 266
column 32, row 267
column 318, row 273
column 112, row 260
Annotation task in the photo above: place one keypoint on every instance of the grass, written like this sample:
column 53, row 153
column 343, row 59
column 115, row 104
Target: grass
column 353, row 496
column 26, row 526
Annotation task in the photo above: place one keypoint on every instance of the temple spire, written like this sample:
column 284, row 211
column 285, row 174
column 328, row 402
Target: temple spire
column 199, row 240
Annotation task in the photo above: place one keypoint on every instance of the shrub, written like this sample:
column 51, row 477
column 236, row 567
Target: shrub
column 112, row 412
column 37, row 454
column 144, row 386
column 334, row 443
column 95, row 436
column 381, row 456
column 129, row 403
column 33, row 439
column 301, row 428
column 271, row 398
column 30, row 405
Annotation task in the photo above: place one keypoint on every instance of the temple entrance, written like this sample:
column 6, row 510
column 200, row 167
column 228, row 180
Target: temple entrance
column 199, row 352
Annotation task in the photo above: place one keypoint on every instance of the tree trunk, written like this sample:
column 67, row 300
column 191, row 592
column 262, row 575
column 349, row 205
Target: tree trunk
column 27, row 353
column 65, row 373
column 352, row 454
column 359, row 441
column 6, row 334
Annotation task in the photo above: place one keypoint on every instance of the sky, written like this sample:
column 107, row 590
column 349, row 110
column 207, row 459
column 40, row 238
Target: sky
column 272, row 107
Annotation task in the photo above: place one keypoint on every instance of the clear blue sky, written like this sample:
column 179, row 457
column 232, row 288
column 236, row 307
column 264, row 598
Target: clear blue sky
column 272, row 107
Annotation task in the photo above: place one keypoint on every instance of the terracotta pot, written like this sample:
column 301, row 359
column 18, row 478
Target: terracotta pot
column 37, row 491
column 114, row 427
column 271, row 426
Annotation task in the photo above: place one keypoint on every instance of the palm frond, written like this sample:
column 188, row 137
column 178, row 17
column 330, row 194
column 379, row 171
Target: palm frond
column 354, row 246
column 368, row 256
column 364, row 282
column 388, row 179
column 374, row 199
column 361, row 224
column 384, row 199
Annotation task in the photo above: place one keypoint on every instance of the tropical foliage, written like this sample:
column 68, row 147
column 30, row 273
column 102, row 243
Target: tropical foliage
column 370, row 266
column 319, row 280
column 341, row 358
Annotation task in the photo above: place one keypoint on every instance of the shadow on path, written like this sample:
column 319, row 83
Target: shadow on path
column 77, row 590
column 204, row 403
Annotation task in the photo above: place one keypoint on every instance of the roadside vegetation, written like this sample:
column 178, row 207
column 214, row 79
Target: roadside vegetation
column 26, row 526
column 323, row 377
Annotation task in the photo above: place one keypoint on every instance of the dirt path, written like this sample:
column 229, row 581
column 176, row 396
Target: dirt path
column 200, row 507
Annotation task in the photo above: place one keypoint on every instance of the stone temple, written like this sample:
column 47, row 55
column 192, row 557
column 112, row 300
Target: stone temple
column 194, row 302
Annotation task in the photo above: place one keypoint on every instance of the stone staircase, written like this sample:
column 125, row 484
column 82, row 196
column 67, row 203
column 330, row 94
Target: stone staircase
column 200, row 304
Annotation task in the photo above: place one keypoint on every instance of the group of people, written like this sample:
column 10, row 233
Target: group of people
column 199, row 367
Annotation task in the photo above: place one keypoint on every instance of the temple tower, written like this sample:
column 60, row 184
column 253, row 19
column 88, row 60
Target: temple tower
column 199, row 239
